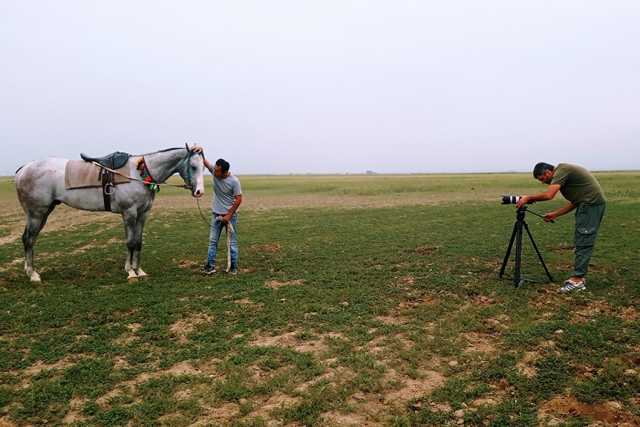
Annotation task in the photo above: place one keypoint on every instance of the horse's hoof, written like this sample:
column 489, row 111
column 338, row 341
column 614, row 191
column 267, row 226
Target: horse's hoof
column 35, row 277
column 132, row 279
column 143, row 277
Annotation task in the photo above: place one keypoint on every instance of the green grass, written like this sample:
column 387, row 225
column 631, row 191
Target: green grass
column 385, row 310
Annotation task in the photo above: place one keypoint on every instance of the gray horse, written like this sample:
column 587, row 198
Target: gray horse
column 41, row 187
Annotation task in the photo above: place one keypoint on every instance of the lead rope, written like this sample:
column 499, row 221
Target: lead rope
column 230, row 231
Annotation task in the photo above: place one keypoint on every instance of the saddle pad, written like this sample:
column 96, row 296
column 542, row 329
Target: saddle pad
column 81, row 174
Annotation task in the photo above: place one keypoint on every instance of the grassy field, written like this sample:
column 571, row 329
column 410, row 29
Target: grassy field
column 360, row 301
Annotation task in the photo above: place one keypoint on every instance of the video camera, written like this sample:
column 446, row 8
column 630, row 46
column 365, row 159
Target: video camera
column 512, row 200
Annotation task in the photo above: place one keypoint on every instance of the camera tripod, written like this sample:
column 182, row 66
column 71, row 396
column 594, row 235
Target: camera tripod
column 517, row 236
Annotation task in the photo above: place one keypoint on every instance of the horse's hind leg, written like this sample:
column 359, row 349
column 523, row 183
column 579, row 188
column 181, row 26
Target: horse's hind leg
column 35, row 223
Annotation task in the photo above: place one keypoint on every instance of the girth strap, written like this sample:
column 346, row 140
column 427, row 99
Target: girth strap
column 108, row 187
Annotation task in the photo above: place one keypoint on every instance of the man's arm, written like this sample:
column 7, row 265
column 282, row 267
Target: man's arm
column 564, row 210
column 540, row 197
column 233, row 209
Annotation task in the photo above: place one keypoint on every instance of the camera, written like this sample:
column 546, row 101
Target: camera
column 511, row 200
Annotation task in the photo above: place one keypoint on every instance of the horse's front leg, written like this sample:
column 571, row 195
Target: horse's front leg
column 135, row 262
column 133, row 225
column 133, row 242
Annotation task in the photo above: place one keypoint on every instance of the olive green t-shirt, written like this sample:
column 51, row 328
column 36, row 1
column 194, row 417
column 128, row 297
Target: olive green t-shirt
column 577, row 184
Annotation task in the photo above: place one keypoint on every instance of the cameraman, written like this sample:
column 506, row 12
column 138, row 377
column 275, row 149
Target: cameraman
column 584, row 193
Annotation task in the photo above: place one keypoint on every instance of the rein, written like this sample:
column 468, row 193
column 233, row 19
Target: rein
column 206, row 221
column 145, row 174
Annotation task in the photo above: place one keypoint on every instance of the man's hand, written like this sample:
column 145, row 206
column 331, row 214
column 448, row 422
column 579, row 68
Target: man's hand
column 522, row 203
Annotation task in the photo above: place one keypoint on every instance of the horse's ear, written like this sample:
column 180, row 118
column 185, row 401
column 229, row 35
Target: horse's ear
column 186, row 144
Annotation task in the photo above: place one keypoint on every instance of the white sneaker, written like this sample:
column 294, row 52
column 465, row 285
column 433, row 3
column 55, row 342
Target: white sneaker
column 570, row 285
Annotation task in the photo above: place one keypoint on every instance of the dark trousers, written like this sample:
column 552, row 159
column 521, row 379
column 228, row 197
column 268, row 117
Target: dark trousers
column 588, row 219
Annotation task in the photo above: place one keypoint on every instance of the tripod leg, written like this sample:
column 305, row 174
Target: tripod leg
column 517, row 276
column 538, row 252
column 506, row 257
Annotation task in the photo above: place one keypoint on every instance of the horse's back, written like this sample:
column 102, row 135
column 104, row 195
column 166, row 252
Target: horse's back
column 40, row 181
column 47, row 169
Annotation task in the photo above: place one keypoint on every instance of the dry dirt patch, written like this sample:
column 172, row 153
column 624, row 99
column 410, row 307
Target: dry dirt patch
column 609, row 412
column 291, row 341
column 184, row 327
column 274, row 284
column 267, row 248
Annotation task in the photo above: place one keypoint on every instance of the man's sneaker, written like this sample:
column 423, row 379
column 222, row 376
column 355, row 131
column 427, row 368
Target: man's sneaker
column 209, row 269
column 570, row 285
column 233, row 269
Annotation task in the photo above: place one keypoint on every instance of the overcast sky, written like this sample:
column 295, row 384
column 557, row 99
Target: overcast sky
column 331, row 86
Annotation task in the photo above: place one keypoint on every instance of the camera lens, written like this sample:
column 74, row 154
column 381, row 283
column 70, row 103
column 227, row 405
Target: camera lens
column 510, row 200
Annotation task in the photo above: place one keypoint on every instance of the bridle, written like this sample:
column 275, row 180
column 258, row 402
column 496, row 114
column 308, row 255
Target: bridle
column 187, row 158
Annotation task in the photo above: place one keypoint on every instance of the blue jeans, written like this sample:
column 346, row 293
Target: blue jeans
column 214, row 237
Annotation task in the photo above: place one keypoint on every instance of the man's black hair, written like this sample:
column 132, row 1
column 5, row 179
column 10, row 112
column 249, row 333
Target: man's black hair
column 224, row 165
column 541, row 168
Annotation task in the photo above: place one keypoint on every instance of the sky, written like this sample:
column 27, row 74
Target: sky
column 331, row 86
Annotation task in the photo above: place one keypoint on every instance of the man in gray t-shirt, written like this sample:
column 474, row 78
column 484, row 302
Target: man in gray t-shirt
column 227, row 198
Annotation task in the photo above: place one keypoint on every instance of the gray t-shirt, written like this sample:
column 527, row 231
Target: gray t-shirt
column 225, row 191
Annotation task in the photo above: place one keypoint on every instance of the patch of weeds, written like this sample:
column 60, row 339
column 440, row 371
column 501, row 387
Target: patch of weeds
column 502, row 367
column 528, row 335
column 457, row 391
column 90, row 408
column 256, row 422
column 512, row 413
column 92, row 378
column 425, row 416
column 553, row 374
column 233, row 388
column 321, row 397
column 612, row 383
column 6, row 396
column 151, row 409
column 114, row 417
column 46, row 399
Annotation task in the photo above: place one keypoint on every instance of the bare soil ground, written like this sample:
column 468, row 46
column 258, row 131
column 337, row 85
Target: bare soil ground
column 369, row 410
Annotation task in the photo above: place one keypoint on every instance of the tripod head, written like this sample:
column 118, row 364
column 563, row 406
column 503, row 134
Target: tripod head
column 512, row 200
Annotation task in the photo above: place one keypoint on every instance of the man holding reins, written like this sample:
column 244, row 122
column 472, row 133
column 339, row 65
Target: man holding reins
column 227, row 198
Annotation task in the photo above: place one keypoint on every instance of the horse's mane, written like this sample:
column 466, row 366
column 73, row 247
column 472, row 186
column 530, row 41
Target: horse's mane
column 159, row 151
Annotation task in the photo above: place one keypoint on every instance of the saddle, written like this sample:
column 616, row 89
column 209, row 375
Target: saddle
column 112, row 161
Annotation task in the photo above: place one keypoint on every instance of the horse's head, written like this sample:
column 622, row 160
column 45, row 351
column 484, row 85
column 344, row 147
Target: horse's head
column 191, row 170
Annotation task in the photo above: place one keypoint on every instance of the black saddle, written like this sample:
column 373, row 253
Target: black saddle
column 114, row 160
